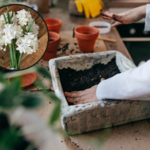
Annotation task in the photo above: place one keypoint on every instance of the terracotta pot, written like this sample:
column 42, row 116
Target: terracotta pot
column 54, row 41
column 86, row 37
column 53, row 24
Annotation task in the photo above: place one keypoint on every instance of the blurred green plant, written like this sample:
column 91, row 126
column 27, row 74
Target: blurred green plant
column 11, row 97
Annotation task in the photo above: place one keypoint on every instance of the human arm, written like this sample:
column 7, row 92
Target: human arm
column 127, row 17
column 133, row 84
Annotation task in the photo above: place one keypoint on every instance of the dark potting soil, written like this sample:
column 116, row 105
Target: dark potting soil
column 73, row 80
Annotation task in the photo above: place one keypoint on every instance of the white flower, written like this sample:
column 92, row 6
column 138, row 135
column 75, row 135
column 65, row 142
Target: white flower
column 25, row 42
column 9, row 31
column 23, row 21
column 19, row 41
column 14, row 19
column 35, row 27
column 24, row 17
column 18, row 30
column 28, row 50
column 21, row 14
column 7, row 39
column 20, row 48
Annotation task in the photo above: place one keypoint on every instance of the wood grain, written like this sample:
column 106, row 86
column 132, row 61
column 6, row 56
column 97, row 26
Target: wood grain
column 27, row 60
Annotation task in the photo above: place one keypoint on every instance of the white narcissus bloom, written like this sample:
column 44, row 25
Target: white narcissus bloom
column 23, row 21
column 24, row 17
column 18, row 30
column 35, row 27
column 20, row 48
column 7, row 39
column 9, row 32
column 14, row 19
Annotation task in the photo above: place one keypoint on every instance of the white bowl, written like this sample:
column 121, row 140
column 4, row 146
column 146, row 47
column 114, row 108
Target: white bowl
column 101, row 23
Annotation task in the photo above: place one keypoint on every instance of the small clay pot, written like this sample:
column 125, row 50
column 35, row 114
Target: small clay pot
column 54, row 41
column 86, row 37
column 53, row 24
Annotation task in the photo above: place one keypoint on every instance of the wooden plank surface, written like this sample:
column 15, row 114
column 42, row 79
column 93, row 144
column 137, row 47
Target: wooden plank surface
column 27, row 60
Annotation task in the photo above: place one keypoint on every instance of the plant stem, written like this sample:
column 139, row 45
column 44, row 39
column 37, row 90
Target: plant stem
column 14, row 53
column 11, row 56
column 24, row 29
column 19, row 60
column 8, row 15
column 30, row 27
column 4, row 18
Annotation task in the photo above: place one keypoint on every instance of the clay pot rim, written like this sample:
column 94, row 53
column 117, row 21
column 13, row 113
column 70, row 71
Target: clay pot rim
column 56, row 34
column 87, row 36
column 58, row 22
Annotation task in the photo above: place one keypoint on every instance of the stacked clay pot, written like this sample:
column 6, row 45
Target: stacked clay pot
column 86, row 37
column 54, row 26
column 54, row 41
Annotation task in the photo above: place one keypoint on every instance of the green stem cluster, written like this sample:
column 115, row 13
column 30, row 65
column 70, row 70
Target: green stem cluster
column 15, row 56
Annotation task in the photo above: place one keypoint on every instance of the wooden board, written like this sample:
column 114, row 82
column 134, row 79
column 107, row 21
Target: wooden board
column 27, row 60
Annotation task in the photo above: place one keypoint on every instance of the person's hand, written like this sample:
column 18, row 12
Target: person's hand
column 127, row 17
column 82, row 97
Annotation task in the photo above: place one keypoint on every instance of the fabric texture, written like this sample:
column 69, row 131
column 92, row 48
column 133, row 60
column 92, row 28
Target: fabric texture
column 147, row 19
column 133, row 84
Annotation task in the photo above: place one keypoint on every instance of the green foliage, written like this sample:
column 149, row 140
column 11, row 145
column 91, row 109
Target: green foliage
column 8, row 94
column 30, row 27
column 4, row 18
column 8, row 15
column 44, row 72
column 31, row 101
column 12, row 96
column 13, row 139
column 56, row 114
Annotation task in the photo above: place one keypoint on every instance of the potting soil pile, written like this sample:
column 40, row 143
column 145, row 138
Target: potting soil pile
column 73, row 80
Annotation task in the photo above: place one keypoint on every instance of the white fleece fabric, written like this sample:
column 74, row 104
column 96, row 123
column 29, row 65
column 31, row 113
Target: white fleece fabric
column 133, row 84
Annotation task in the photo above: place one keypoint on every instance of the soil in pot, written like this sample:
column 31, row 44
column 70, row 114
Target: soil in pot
column 73, row 80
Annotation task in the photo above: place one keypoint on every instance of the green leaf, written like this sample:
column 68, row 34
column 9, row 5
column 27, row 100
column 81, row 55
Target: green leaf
column 8, row 15
column 38, row 83
column 4, row 18
column 31, row 101
column 44, row 72
column 12, row 15
column 8, row 94
column 24, row 29
column 54, row 97
column 30, row 28
column 29, row 10
column 56, row 114
column 2, row 79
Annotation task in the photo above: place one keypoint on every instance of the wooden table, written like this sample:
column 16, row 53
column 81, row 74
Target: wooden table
column 126, row 137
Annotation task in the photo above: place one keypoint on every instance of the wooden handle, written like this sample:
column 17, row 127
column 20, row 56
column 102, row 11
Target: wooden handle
column 106, row 39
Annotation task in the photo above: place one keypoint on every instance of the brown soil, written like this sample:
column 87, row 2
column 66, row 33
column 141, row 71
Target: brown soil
column 73, row 80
